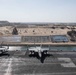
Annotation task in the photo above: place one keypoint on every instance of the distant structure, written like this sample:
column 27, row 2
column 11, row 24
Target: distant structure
column 15, row 32
column 4, row 23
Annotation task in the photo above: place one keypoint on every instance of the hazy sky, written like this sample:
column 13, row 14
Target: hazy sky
column 38, row 10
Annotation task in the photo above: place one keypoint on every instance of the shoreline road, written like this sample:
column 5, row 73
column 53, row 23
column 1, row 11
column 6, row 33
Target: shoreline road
column 19, row 63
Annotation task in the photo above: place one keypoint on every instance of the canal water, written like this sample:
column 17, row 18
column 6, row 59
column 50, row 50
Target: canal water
column 51, row 48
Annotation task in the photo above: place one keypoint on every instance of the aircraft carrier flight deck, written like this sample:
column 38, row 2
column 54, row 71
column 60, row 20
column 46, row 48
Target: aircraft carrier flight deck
column 55, row 63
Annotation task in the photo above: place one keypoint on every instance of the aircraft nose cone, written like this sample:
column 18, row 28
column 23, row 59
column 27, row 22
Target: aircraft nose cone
column 39, row 53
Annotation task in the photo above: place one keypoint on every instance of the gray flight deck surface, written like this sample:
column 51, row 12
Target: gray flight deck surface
column 56, row 63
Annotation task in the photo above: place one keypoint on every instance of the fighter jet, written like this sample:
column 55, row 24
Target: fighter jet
column 3, row 50
column 38, row 50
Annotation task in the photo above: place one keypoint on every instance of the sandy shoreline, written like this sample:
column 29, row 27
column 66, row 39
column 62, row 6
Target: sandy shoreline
column 7, row 30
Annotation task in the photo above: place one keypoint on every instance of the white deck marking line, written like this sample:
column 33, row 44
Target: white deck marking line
column 67, row 62
column 8, row 70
